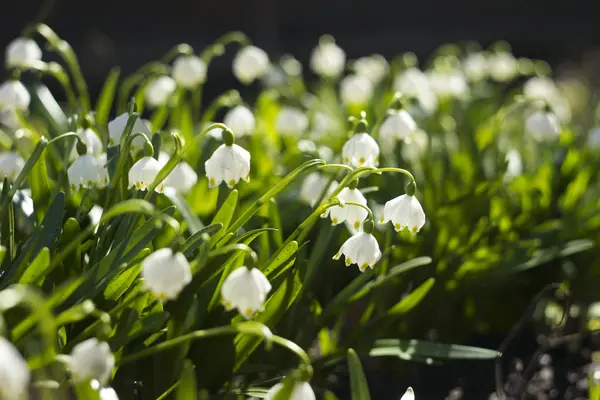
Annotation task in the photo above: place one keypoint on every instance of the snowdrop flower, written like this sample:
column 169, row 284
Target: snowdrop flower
column 301, row 391
column 189, row 71
column 91, row 140
column 405, row 212
column 86, row 172
column 143, row 173
column 514, row 166
column 408, row 395
column 398, row 125
column 321, row 122
column 356, row 90
column 327, row 59
column 593, row 138
column 414, row 83
column 502, row 66
column 542, row 125
column 373, row 67
column 117, row 126
column 250, row 63
column 166, row 273
column 245, row 289
column 240, row 120
column 11, row 165
column 475, row 66
column 9, row 118
column 159, row 91
column 14, row 372
column 313, row 187
column 355, row 215
column 325, row 153
column 291, row 121
column 540, row 88
column 361, row 150
column 229, row 163
column 108, row 393
column 412, row 151
column 448, row 84
column 92, row 359
column 182, row 178
column 13, row 94
column 21, row 51
column 307, row 146
column 361, row 249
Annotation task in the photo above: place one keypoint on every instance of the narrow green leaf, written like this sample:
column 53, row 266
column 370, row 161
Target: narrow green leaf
column 275, row 222
column 188, row 389
column 407, row 349
column 107, row 96
column 7, row 232
column 224, row 215
column 40, row 188
column 359, row 389
column 414, row 298
column 192, row 243
column 37, row 269
column 286, row 253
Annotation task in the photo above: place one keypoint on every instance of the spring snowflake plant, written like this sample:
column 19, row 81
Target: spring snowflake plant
column 151, row 252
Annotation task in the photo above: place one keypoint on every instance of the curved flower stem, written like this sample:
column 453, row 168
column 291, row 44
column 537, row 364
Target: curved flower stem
column 151, row 68
column 336, row 166
column 57, row 72
column 398, row 170
column 229, row 98
column 265, row 333
column 218, row 47
column 181, row 49
column 230, row 248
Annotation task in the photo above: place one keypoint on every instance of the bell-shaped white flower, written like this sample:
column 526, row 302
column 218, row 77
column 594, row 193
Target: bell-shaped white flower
column 108, row 393
column 143, row 173
column 91, row 140
column 228, row 164
column 166, row 273
column 398, row 125
column 448, row 83
column 327, row 59
column 356, row 90
column 250, row 63
column 405, row 212
column 14, row 372
column 117, row 126
column 408, row 395
column 540, row 88
column 361, row 150
column 354, row 215
column 301, row 391
column 13, row 94
column 240, row 120
column 245, row 289
column 189, row 71
column 92, row 359
column 9, row 118
column 413, row 82
column 475, row 66
column 314, row 186
column 514, row 165
column 182, row 178
column 159, row 91
column 361, row 249
column 542, row 125
column 503, row 66
column 11, row 165
column 413, row 150
column 86, row 172
column 22, row 51
column 374, row 67
column 291, row 121
column 593, row 138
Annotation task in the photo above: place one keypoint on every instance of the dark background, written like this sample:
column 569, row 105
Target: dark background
column 128, row 33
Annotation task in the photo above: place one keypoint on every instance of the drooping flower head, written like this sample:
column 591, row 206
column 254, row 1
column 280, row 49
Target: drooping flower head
column 291, row 121
column 301, row 391
column 159, row 91
column 117, row 126
column 11, row 165
column 352, row 214
column 144, row 172
column 229, row 163
column 356, row 90
column 250, row 63
column 240, row 120
column 87, row 171
column 90, row 360
column 189, row 71
column 408, row 395
column 361, row 249
column 166, row 273
column 182, row 178
column 374, row 67
column 398, row 125
column 22, row 51
column 327, row 59
column 542, row 125
column 14, row 372
column 14, row 95
column 405, row 211
column 245, row 289
column 361, row 150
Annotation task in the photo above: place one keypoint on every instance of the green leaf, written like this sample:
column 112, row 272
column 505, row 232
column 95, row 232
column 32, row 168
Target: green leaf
column 37, row 269
column 40, row 188
column 414, row 298
column 121, row 283
column 192, row 243
column 188, row 389
column 76, row 313
column 224, row 215
column 275, row 222
column 285, row 254
column 359, row 389
column 7, row 233
column 249, row 236
column 407, row 349
column 107, row 96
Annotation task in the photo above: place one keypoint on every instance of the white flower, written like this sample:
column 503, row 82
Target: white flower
column 160, row 90
column 291, row 121
column 412, row 151
column 240, row 120
column 92, row 359
column 166, row 273
column 313, row 187
column 86, row 172
column 327, row 59
column 21, row 51
column 540, row 88
column 13, row 94
column 182, row 178
column 398, row 125
column 301, row 391
column 405, row 212
column 514, row 166
column 307, row 146
column 448, row 84
column 117, row 126
column 354, row 215
column 245, row 289
column 108, row 393
column 250, row 63
column 143, row 173
column 356, row 90
column 361, row 249
column 322, row 122
column 542, row 125
column 502, row 66
column 373, row 67
column 408, row 395
column 9, row 118
column 189, row 71
column 325, row 153
column 14, row 372
column 91, row 141
column 11, row 165
column 414, row 83
column 475, row 66
column 228, row 164
column 593, row 138
column 361, row 150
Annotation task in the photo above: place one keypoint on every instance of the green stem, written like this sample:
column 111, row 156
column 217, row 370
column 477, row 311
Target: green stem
column 181, row 49
column 152, row 68
column 57, row 72
column 229, row 98
column 336, row 166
